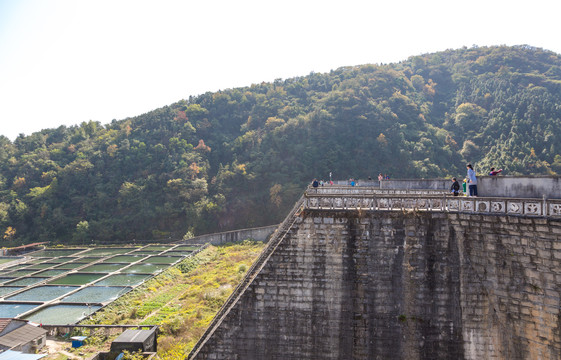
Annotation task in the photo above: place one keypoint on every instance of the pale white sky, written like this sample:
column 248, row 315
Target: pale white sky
column 67, row 61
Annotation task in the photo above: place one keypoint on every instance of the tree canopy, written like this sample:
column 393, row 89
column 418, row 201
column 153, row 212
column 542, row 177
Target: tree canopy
column 240, row 157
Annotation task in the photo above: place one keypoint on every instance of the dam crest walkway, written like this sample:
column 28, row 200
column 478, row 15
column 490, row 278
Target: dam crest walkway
column 364, row 198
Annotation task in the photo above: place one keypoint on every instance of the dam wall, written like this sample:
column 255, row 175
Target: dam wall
column 364, row 280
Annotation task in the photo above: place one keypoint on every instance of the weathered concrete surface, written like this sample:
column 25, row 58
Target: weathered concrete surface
column 520, row 186
column 434, row 184
column 387, row 285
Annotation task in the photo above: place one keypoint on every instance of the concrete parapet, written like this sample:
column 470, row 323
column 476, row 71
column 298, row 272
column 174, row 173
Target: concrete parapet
column 527, row 186
column 520, row 186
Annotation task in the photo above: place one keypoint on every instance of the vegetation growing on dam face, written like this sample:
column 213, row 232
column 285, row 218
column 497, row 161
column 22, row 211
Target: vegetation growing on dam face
column 182, row 300
column 240, row 157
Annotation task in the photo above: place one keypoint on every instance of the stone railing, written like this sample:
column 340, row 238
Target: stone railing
column 430, row 201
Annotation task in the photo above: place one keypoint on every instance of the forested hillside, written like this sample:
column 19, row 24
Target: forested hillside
column 240, row 157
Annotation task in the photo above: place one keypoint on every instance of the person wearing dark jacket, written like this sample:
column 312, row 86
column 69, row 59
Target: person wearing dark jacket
column 455, row 188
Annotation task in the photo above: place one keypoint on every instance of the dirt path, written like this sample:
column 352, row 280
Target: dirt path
column 55, row 348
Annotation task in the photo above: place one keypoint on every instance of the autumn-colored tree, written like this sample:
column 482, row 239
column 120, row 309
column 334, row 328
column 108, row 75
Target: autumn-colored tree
column 181, row 116
column 19, row 182
column 195, row 169
column 112, row 149
column 381, row 139
column 202, row 147
column 10, row 233
column 429, row 88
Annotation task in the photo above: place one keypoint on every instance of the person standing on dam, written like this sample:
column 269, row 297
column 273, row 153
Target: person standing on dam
column 472, row 180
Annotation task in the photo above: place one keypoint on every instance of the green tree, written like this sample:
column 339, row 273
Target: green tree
column 82, row 233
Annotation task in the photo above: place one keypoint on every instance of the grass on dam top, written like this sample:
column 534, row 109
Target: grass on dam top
column 182, row 300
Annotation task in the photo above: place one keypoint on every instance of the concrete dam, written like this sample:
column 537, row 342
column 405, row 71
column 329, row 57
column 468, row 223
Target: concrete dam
column 368, row 273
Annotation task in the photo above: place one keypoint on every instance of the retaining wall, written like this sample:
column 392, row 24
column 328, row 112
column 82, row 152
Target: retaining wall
column 257, row 234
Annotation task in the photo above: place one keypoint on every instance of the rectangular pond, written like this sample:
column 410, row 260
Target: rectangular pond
column 61, row 314
column 4, row 290
column 26, row 281
column 124, row 259
column 97, row 294
column 159, row 248
column 55, row 252
column 19, row 273
column 76, row 279
column 145, row 252
column 41, row 266
column 52, row 272
column 61, row 260
column 107, row 251
column 38, row 260
column 105, row 268
column 176, row 253
column 11, row 310
column 42, row 293
column 187, row 248
column 4, row 260
column 15, row 267
column 87, row 259
column 123, row 280
column 71, row 266
column 161, row 259
column 145, row 268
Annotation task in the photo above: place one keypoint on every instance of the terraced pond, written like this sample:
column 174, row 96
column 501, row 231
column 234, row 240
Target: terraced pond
column 63, row 285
